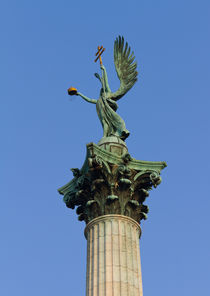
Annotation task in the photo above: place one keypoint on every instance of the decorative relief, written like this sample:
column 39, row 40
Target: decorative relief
column 111, row 184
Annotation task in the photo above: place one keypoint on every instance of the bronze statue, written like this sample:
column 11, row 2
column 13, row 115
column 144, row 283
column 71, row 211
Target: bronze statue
column 106, row 106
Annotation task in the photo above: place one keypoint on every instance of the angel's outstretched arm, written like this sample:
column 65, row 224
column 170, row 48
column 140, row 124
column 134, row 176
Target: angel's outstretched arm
column 105, row 79
column 93, row 101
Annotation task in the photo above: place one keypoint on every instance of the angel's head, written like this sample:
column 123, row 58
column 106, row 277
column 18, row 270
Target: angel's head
column 98, row 77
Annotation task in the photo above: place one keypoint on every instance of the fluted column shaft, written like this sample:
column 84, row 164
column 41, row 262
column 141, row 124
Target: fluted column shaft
column 113, row 257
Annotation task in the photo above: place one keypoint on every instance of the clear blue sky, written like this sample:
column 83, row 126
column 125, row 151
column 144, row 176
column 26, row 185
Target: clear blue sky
column 47, row 46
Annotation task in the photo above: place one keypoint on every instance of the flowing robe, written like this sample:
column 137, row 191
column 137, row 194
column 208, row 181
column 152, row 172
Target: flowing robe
column 112, row 123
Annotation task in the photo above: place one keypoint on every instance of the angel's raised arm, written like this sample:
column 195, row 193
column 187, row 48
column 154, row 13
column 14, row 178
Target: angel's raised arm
column 105, row 79
column 93, row 101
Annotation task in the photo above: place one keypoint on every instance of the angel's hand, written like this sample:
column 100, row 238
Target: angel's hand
column 102, row 67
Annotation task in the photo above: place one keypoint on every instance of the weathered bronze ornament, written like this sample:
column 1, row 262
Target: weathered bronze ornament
column 111, row 181
column 72, row 91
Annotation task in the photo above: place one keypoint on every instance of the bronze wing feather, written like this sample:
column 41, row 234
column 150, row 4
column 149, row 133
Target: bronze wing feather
column 125, row 67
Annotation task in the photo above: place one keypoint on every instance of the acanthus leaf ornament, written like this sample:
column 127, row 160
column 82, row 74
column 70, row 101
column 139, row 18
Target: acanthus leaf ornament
column 111, row 184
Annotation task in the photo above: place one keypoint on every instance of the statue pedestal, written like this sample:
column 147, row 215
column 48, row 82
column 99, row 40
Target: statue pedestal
column 113, row 257
column 114, row 145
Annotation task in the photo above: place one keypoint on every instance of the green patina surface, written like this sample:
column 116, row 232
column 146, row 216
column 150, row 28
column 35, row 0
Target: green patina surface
column 111, row 181
column 106, row 106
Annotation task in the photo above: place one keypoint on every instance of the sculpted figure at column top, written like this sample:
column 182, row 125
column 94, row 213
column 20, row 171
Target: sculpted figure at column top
column 106, row 106
column 110, row 180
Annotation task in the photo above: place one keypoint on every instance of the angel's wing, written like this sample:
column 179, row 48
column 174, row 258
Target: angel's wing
column 125, row 67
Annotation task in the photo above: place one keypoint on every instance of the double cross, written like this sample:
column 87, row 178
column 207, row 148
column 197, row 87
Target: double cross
column 99, row 53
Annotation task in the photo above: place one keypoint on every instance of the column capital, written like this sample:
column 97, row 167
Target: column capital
column 111, row 183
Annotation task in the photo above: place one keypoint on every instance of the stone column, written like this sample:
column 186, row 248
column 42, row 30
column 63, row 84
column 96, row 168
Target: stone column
column 113, row 257
column 109, row 193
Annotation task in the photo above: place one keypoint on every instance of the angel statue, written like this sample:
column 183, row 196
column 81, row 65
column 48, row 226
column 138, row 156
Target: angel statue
column 106, row 106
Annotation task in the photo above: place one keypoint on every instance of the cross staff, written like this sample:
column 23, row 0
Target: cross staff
column 99, row 53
